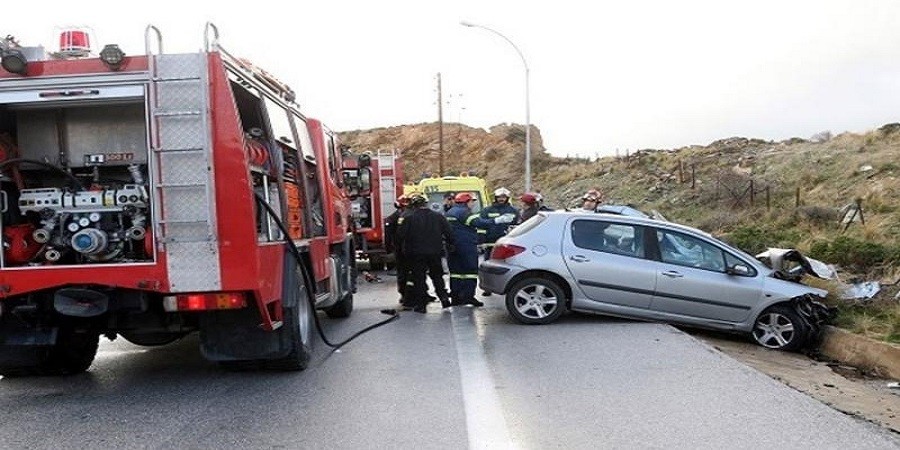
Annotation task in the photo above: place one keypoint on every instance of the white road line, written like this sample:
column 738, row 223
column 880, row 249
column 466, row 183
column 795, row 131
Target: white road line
column 484, row 415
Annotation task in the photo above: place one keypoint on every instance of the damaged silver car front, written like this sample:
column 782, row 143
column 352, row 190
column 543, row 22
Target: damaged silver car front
column 775, row 328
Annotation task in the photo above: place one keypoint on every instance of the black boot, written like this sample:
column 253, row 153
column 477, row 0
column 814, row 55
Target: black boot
column 475, row 303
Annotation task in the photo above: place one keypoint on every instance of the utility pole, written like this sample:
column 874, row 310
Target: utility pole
column 440, row 104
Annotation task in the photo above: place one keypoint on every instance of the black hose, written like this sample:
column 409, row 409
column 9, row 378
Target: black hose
column 71, row 177
column 310, row 286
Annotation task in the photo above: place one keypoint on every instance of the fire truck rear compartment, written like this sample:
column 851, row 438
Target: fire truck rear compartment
column 74, row 183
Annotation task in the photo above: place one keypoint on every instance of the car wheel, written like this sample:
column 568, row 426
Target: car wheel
column 780, row 328
column 535, row 301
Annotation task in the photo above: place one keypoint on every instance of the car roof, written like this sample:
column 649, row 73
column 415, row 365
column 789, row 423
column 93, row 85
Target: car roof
column 627, row 219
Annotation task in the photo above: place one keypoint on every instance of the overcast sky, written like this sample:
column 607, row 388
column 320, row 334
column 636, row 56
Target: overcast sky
column 605, row 75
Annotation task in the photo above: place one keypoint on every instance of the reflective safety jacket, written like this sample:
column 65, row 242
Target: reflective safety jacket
column 494, row 231
column 464, row 222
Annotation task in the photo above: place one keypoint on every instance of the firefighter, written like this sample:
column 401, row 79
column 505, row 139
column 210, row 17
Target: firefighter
column 530, row 205
column 496, row 230
column 463, row 258
column 448, row 201
column 421, row 235
column 540, row 201
column 590, row 200
column 500, row 207
column 390, row 241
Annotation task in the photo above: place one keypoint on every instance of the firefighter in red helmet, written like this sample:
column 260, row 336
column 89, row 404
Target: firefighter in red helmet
column 530, row 205
column 463, row 257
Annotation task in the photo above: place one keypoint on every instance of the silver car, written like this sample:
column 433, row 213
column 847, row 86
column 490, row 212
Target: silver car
column 646, row 269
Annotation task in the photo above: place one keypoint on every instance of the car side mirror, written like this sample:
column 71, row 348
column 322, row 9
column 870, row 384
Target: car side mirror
column 738, row 269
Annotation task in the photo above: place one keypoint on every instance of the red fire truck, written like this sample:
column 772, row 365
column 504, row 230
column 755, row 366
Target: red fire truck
column 384, row 184
column 153, row 196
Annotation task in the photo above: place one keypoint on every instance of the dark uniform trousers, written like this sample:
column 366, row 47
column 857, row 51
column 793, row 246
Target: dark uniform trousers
column 419, row 267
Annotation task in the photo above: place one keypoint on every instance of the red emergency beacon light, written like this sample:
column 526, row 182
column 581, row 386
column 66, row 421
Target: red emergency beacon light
column 75, row 42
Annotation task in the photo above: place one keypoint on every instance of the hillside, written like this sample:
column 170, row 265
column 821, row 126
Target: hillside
column 798, row 185
column 750, row 192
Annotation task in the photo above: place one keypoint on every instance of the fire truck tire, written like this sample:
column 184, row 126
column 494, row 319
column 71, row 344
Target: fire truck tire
column 342, row 309
column 298, row 326
column 72, row 354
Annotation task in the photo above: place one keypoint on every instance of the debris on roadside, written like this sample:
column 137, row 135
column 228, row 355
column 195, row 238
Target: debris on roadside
column 894, row 385
column 371, row 278
column 792, row 264
column 865, row 290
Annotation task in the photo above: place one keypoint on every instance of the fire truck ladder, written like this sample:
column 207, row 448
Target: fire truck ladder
column 388, row 180
column 182, row 149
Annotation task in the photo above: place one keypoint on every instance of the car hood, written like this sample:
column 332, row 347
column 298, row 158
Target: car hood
column 783, row 289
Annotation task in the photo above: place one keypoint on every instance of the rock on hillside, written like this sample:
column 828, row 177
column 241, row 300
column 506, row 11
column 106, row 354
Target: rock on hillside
column 498, row 154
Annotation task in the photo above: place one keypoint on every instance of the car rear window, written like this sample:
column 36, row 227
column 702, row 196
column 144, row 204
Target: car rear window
column 527, row 225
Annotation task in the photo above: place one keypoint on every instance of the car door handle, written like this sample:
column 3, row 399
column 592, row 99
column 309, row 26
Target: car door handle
column 578, row 258
column 672, row 274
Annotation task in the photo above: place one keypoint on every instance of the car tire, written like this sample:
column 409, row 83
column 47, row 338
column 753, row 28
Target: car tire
column 535, row 301
column 780, row 328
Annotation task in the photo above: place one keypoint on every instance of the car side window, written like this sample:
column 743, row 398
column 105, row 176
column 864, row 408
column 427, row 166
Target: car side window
column 731, row 261
column 685, row 250
column 608, row 237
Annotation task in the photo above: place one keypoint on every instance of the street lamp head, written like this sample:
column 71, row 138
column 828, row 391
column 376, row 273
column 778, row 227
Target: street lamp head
column 467, row 24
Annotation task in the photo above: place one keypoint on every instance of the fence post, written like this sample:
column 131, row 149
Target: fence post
column 694, row 180
column 680, row 172
column 752, row 194
column 797, row 198
column 862, row 218
column 768, row 199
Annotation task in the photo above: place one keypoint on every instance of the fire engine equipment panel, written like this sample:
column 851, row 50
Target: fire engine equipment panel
column 49, row 219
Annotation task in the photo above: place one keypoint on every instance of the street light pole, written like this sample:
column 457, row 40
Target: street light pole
column 527, row 101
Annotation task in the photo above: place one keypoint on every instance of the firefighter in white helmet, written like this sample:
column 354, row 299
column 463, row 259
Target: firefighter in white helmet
column 501, row 216
column 500, row 209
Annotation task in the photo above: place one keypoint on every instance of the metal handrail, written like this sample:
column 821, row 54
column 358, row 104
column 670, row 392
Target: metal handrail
column 215, row 42
column 159, row 44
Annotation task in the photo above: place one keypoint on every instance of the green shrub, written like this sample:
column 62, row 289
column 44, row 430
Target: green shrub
column 854, row 254
column 754, row 239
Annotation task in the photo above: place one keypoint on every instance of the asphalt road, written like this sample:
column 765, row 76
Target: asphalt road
column 447, row 379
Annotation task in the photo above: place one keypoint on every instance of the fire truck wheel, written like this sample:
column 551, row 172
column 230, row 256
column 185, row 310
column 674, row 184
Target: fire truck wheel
column 342, row 308
column 299, row 326
column 73, row 353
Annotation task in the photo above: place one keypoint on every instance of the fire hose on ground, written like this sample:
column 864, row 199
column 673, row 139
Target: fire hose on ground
column 310, row 285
